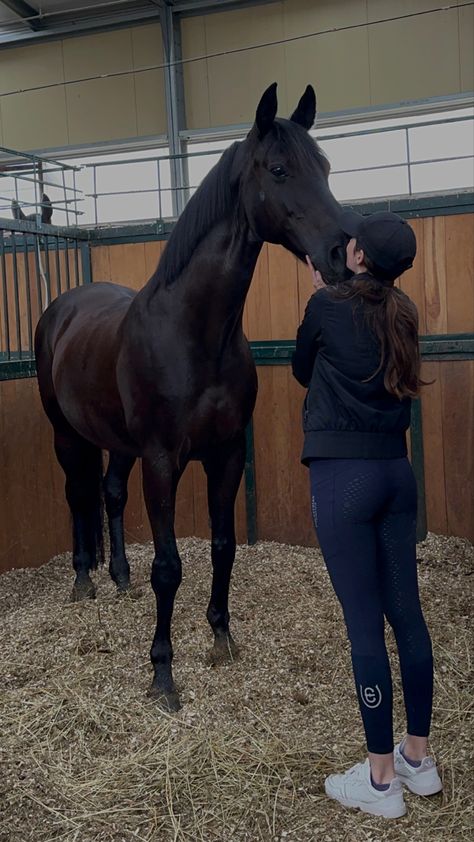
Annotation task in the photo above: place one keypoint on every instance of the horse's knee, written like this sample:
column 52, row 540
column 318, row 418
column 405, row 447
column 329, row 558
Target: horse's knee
column 223, row 546
column 166, row 573
column 116, row 496
column 221, row 542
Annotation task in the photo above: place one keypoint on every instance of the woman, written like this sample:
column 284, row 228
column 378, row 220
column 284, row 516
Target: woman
column 357, row 353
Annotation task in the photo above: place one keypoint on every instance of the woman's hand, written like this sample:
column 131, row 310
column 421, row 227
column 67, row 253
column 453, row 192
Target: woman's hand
column 316, row 276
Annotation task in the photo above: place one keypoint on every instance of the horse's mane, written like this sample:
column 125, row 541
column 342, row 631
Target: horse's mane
column 212, row 201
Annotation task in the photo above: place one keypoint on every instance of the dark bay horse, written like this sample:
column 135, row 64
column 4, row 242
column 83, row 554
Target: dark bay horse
column 167, row 374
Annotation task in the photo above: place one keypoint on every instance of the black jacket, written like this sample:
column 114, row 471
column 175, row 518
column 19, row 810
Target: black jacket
column 345, row 415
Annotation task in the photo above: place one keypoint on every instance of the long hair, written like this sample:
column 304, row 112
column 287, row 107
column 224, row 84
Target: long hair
column 393, row 318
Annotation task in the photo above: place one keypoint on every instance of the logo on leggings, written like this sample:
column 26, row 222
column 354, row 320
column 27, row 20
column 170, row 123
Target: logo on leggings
column 371, row 696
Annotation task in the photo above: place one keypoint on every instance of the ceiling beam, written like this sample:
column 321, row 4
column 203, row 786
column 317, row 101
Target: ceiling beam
column 24, row 11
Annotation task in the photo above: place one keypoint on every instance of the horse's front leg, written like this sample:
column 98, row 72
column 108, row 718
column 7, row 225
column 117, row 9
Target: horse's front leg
column 224, row 469
column 160, row 482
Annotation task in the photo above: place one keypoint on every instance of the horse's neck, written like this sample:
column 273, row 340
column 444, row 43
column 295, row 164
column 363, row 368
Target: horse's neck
column 217, row 278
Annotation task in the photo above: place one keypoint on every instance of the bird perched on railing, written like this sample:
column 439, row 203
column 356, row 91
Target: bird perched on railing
column 46, row 210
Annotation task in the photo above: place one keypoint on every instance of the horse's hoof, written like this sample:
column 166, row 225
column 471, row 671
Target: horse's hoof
column 84, row 589
column 224, row 651
column 123, row 586
column 169, row 702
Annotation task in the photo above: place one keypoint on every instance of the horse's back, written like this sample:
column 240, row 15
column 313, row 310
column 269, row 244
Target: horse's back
column 76, row 307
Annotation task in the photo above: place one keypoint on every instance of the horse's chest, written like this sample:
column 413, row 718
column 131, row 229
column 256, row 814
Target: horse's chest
column 221, row 412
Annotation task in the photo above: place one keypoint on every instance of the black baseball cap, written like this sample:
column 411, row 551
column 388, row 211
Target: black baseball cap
column 386, row 239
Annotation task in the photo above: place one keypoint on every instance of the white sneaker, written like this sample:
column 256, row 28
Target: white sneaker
column 354, row 789
column 422, row 779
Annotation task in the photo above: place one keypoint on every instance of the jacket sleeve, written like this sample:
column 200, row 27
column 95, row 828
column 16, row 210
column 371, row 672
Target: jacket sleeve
column 308, row 338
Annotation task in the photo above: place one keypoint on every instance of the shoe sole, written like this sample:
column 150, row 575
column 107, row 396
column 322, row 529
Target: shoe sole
column 418, row 788
column 395, row 811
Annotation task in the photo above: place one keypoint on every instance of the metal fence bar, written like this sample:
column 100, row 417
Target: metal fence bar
column 16, row 296
column 32, row 227
column 5, row 295
column 64, row 188
column 47, row 270
column 407, row 144
column 160, row 208
column 94, row 174
column 66, row 258
column 76, row 263
column 86, row 263
column 34, row 181
column 15, row 155
column 76, row 191
column 38, row 271
column 28, row 294
column 58, row 268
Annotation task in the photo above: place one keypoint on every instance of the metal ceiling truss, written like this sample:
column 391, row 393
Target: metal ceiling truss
column 24, row 12
column 29, row 23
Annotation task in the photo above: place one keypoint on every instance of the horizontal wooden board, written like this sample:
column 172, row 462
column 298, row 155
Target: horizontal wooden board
column 34, row 518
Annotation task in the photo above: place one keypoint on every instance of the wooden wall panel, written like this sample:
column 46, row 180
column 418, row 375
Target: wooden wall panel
column 130, row 264
column 437, row 55
column 460, row 273
column 434, row 250
column 413, row 281
column 283, row 281
column 34, row 519
column 282, row 483
column 457, row 390
column 34, row 523
column 257, row 307
column 101, row 109
column 433, row 440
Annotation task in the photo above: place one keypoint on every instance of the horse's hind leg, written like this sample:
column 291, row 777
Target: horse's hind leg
column 115, row 492
column 224, row 470
column 81, row 461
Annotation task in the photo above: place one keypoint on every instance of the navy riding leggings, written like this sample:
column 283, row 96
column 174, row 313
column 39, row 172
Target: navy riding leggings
column 364, row 511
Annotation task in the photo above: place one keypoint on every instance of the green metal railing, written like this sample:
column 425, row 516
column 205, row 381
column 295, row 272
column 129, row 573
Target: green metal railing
column 37, row 263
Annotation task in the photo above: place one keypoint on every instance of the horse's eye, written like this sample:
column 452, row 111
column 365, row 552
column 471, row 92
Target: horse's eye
column 278, row 171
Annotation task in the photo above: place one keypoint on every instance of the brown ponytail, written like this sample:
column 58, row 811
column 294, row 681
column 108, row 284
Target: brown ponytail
column 393, row 317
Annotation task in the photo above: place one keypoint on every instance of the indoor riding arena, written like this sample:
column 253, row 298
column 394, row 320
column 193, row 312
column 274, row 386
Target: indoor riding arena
column 112, row 114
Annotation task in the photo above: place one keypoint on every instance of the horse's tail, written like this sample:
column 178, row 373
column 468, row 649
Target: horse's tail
column 99, row 515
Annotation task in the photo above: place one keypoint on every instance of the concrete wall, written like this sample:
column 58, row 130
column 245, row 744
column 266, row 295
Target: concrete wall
column 426, row 56
column 390, row 62
column 93, row 111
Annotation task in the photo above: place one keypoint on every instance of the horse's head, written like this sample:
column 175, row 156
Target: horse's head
column 284, row 186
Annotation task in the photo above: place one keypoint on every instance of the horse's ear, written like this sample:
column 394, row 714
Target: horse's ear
column 266, row 111
column 305, row 113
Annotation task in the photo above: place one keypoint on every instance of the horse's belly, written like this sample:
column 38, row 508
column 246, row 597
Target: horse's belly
column 96, row 420
column 88, row 398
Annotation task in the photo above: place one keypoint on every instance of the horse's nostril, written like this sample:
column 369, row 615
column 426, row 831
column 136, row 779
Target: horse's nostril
column 337, row 255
